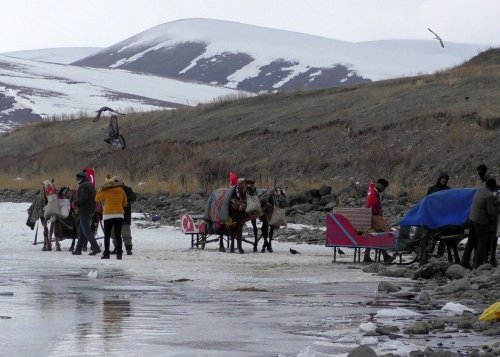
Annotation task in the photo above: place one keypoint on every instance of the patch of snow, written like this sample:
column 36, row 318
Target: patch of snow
column 397, row 312
column 64, row 89
column 456, row 308
column 367, row 327
column 375, row 59
column 64, row 55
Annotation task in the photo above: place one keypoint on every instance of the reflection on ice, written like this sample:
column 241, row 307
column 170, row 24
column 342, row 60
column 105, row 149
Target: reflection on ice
column 168, row 300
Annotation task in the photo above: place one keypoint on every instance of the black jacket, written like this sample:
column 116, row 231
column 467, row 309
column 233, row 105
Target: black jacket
column 131, row 197
column 85, row 198
column 438, row 186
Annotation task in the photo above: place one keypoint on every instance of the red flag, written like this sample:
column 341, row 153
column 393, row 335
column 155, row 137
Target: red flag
column 90, row 174
column 371, row 196
column 233, row 178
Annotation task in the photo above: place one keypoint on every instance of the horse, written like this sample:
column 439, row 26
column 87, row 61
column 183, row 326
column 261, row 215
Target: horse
column 35, row 213
column 271, row 199
column 50, row 207
column 226, row 212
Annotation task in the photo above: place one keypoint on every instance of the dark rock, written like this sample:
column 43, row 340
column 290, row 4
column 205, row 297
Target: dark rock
column 386, row 330
column 454, row 286
column 404, row 295
column 386, row 286
column 416, row 353
column 362, row 351
column 456, row 271
column 431, row 270
column 393, row 273
column 418, row 328
column 300, row 197
column 327, row 199
column 306, row 207
column 325, row 190
column 373, row 268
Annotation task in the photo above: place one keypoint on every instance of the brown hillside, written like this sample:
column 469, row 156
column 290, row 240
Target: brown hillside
column 404, row 129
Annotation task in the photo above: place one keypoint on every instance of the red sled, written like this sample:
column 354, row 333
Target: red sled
column 340, row 232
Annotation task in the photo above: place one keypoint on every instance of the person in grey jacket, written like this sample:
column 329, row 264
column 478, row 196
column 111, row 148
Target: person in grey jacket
column 85, row 204
column 483, row 216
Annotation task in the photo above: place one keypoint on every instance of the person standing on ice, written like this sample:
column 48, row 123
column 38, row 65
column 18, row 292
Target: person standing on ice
column 113, row 198
column 85, row 204
column 379, row 223
column 127, row 218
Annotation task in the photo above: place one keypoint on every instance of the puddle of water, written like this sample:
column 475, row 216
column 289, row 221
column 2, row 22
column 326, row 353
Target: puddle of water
column 76, row 313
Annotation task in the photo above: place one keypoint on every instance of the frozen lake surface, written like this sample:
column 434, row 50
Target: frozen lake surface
column 169, row 300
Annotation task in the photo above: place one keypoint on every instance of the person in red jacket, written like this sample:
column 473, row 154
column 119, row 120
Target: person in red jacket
column 379, row 223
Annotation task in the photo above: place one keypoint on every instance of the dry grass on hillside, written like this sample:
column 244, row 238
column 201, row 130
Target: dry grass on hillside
column 405, row 129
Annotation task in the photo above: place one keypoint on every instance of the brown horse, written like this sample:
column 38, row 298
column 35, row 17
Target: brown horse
column 274, row 198
column 227, row 213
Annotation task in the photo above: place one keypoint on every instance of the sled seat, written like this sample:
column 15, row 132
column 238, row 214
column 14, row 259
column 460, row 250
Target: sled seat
column 194, row 226
column 351, row 228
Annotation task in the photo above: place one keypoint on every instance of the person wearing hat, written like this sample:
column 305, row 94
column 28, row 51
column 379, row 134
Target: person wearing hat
column 127, row 218
column 482, row 171
column 85, row 205
column 113, row 198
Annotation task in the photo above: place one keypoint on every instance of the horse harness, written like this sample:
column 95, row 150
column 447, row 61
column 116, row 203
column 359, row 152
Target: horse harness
column 238, row 203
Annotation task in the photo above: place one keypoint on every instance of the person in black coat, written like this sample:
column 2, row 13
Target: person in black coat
column 127, row 217
column 441, row 184
column 85, row 205
column 482, row 171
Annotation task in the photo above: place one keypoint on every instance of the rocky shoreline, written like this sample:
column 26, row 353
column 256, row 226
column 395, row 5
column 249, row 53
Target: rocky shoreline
column 432, row 287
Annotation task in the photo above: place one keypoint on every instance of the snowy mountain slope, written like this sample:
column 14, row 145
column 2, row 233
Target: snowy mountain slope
column 256, row 58
column 30, row 90
column 64, row 55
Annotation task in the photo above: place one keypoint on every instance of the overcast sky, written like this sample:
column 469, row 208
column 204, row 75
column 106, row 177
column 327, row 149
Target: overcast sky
column 34, row 24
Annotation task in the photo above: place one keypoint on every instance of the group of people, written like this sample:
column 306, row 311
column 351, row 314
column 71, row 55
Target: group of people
column 483, row 222
column 115, row 198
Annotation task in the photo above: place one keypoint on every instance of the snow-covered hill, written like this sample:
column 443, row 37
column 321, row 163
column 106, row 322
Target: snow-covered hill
column 256, row 58
column 30, row 90
column 190, row 61
column 64, row 55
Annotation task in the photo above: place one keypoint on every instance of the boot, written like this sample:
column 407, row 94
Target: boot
column 119, row 254
column 76, row 252
column 105, row 255
column 95, row 252
column 367, row 258
column 388, row 258
column 128, row 248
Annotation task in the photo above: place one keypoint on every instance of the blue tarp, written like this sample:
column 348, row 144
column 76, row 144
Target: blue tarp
column 443, row 208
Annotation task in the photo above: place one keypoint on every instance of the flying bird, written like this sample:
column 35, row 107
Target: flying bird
column 103, row 109
column 340, row 251
column 437, row 37
column 293, row 251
